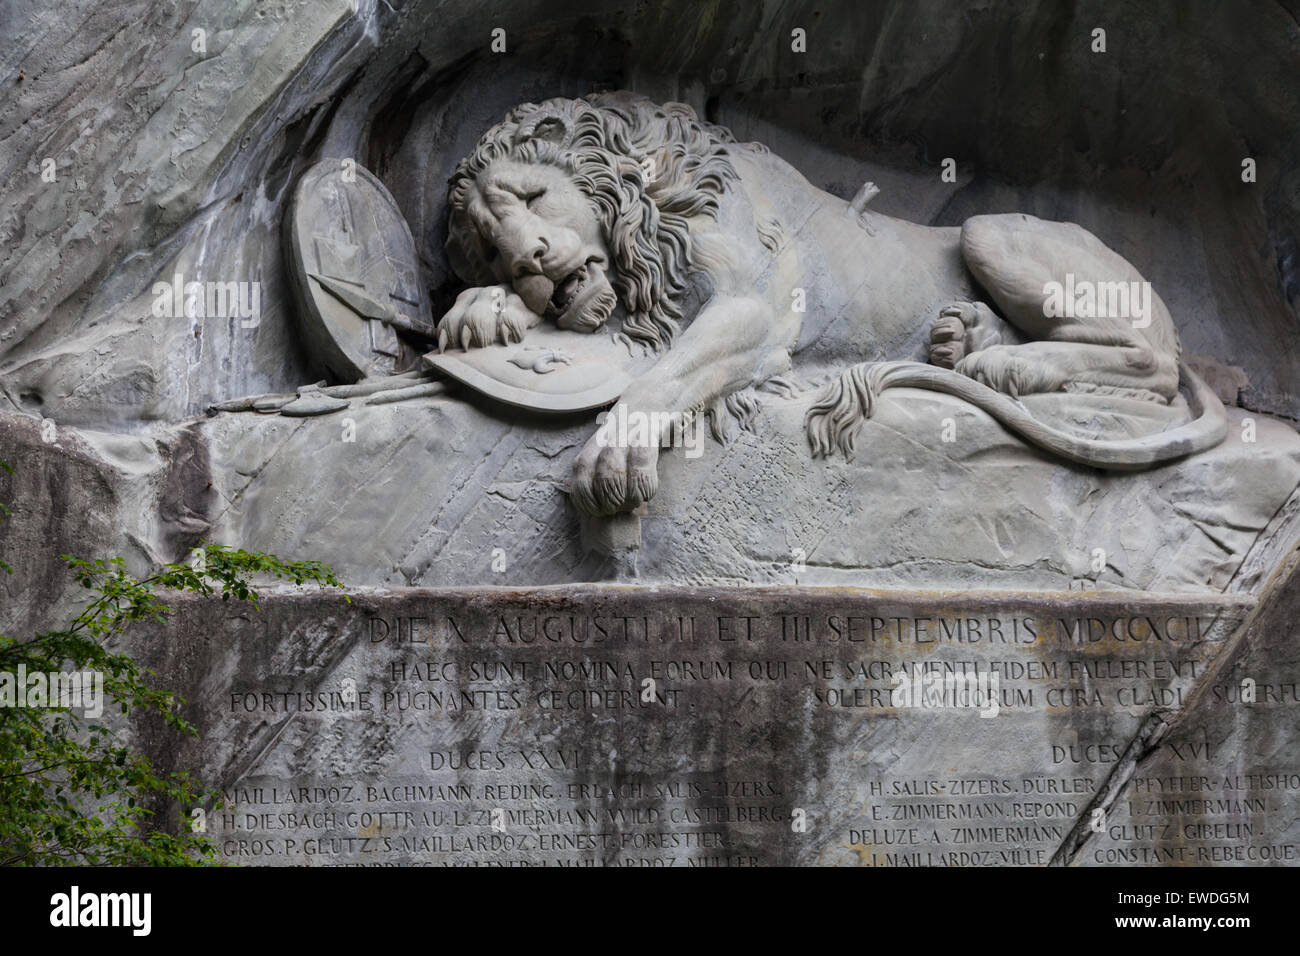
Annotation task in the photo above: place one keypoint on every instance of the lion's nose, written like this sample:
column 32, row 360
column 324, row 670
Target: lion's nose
column 529, row 261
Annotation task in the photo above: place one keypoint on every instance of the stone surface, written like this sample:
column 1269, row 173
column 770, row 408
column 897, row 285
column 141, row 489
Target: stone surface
column 356, row 278
column 668, row 726
column 436, row 492
column 85, row 349
column 547, row 371
column 1226, row 765
column 189, row 157
column 185, row 201
column 481, row 700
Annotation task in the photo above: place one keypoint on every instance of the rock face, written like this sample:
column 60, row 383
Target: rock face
column 143, row 153
column 190, row 137
column 437, row 492
column 172, row 160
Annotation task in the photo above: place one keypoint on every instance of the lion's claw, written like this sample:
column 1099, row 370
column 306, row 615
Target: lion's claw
column 947, row 341
column 608, row 479
column 961, row 329
column 484, row 316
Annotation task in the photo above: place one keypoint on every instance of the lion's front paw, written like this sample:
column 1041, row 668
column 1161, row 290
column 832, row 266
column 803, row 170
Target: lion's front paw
column 484, row 316
column 609, row 478
column 962, row 328
column 1006, row 369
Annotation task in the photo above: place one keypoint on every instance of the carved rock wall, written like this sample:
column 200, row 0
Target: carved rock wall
column 171, row 160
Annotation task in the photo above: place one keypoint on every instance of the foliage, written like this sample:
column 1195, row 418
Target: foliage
column 73, row 790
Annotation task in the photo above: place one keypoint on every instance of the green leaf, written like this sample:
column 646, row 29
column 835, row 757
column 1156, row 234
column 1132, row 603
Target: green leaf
column 68, row 793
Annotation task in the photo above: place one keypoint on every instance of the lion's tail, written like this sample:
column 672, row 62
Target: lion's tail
column 834, row 419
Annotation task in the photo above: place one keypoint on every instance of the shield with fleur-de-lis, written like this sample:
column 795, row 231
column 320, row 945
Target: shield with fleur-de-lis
column 551, row 370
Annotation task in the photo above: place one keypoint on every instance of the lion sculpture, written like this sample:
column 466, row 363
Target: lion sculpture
column 727, row 262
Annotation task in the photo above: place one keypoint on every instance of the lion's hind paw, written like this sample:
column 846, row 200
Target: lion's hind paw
column 962, row 328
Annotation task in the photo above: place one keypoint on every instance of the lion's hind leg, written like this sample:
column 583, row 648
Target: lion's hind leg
column 1016, row 259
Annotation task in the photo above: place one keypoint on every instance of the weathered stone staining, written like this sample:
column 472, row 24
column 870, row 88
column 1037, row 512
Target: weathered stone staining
column 599, row 726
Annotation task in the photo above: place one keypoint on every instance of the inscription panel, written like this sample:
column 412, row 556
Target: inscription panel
column 646, row 727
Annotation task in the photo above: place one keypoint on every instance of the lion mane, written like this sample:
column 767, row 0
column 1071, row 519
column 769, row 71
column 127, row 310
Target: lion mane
column 648, row 168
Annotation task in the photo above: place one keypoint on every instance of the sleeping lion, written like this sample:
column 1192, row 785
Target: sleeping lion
column 730, row 265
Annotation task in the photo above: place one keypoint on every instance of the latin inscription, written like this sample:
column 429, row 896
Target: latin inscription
column 468, row 734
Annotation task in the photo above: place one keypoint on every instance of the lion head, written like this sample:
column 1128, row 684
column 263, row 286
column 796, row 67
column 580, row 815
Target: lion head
column 583, row 204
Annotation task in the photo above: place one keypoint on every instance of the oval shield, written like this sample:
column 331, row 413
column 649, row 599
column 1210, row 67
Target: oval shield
column 355, row 273
column 551, row 370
